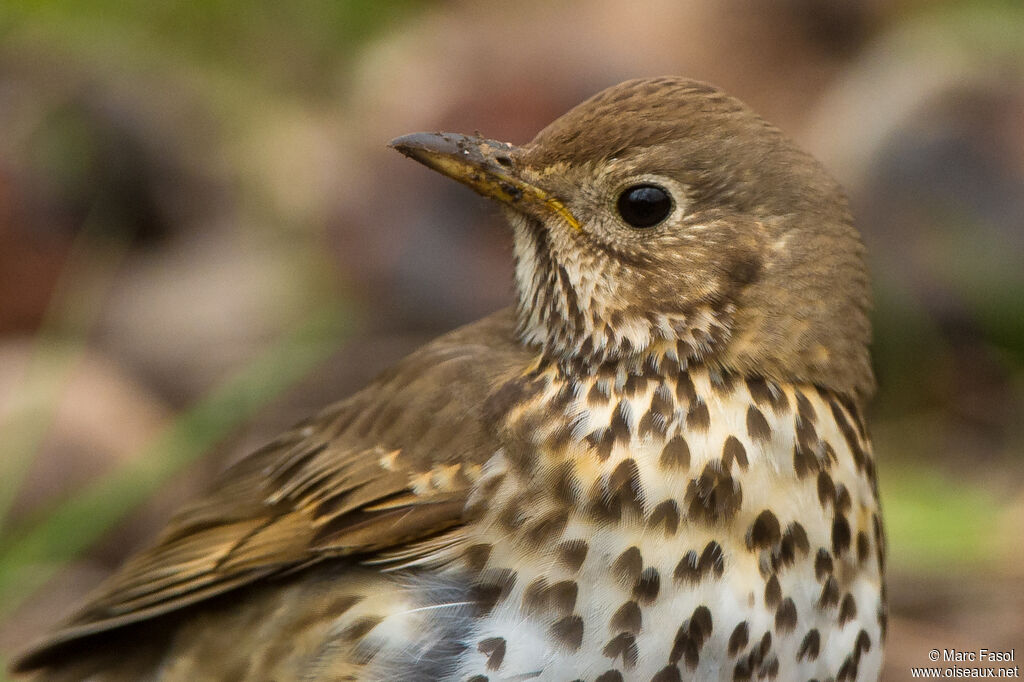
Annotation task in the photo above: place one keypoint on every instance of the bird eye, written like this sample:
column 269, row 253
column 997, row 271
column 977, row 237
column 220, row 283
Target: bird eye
column 644, row 205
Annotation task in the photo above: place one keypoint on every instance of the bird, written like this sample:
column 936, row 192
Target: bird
column 654, row 465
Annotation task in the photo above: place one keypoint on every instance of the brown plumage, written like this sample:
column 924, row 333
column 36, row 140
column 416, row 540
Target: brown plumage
column 650, row 468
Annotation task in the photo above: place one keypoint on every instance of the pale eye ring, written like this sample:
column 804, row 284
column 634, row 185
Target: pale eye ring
column 644, row 205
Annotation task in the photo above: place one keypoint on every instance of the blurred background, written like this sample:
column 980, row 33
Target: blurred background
column 203, row 238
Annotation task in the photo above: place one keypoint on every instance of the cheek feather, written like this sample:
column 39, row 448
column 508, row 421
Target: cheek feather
column 581, row 305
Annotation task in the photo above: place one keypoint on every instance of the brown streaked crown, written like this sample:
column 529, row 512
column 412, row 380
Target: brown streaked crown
column 757, row 269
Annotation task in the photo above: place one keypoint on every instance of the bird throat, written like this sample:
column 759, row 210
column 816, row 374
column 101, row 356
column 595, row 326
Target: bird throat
column 583, row 329
column 652, row 515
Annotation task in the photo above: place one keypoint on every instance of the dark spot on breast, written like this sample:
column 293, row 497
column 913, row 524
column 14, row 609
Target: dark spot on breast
column 754, row 660
column 769, row 669
column 785, row 616
column 733, row 451
column 600, row 393
column 604, row 507
column 684, row 648
column 602, row 441
column 619, row 427
column 675, row 454
column 757, row 426
column 628, row 565
column 666, row 513
column 624, row 483
column 494, row 649
column 810, row 646
column 759, row 391
column 804, row 407
column 858, row 419
column 687, row 570
column 560, row 438
column 701, row 625
column 712, row 560
column 690, row 638
column 863, row 548
column 783, row 554
column 514, row 514
column 848, row 670
column 627, row 618
column 739, row 638
column 764, row 531
column 722, row 383
column 535, row 597
column 765, row 646
column 609, row 676
column 651, row 424
column 547, row 529
column 856, row 451
column 685, row 391
column 840, row 536
column 848, row 609
column 879, row 541
column 566, row 485
column 518, row 391
column 488, row 593
column 562, row 597
column 796, row 531
column 646, row 588
column 667, row 674
column 806, row 434
column 830, row 456
column 826, row 489
column 772, row 592
column 822, row 564
column 652, row 367
column 804, row 461
column 634, row 385
column 698, row 418
column 713, row 497
column 568, row 632
column 871, row 474
column 622, row 644
column 572, row 554
column 780, row 403
column 863, row 643
column 843, row 501
column 662, row 403
column 829, row 594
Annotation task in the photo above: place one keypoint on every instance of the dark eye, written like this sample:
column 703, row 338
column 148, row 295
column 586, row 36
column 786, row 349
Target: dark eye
column 644, row 205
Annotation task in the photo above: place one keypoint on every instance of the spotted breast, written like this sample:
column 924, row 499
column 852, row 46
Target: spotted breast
column 676, row 523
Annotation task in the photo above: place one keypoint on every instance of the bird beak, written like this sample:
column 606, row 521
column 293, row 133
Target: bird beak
column 486, row 166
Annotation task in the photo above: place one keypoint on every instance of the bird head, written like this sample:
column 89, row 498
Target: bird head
column 664, row 218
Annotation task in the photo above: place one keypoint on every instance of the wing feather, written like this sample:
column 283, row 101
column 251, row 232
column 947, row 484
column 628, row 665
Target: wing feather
column 379, row 478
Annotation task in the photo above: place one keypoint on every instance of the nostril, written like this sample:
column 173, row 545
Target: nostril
column 504, row 160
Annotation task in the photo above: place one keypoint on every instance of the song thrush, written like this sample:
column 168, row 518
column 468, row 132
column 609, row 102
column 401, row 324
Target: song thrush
column 655, row 467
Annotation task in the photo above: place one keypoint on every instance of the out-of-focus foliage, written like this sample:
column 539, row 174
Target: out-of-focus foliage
column 291, row 47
